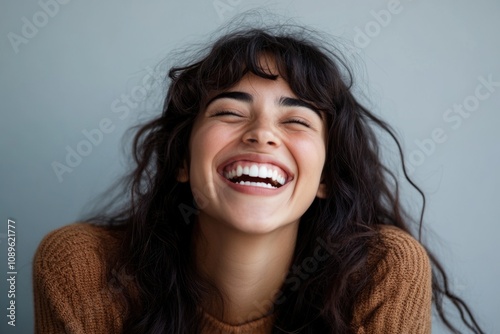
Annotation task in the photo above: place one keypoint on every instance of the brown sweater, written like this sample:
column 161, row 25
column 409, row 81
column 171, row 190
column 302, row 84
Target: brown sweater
column 73, row 294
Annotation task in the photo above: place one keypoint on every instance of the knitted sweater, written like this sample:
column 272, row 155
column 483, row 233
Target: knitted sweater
column 73, row 294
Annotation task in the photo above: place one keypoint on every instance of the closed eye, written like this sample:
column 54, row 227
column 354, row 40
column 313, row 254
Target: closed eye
column 225, row 113
column 298, row 121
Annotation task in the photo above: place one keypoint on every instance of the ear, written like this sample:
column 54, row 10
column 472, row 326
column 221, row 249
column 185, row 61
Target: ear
column 183, row 174
column 322, row 191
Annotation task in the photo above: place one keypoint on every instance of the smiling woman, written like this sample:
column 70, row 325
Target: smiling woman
column 256, row 126
column 295, row 226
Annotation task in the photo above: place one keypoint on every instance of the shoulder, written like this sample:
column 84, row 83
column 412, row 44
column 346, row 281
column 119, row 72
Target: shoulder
column 76, row 252
column 403, row 251
column 400, row 299
column 72, row 281
column 75, row 239
column 401, row 260
column 76, row 245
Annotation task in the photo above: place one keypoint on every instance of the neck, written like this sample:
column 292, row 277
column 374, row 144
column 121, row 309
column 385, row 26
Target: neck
column 248, row 269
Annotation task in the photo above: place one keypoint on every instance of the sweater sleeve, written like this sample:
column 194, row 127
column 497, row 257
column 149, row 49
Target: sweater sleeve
column 401, row 300
column 72, row 293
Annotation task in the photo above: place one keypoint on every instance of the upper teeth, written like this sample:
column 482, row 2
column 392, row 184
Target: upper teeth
column 256, row 171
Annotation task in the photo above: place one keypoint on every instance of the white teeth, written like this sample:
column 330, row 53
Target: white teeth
column 263, row 172
column 269, row 173
column 254, row 171
column 257, row 184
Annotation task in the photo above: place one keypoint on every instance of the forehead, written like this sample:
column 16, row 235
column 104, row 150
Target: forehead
column 256, row 84
column 253, row 89
column 267, row 63
column 259, row 86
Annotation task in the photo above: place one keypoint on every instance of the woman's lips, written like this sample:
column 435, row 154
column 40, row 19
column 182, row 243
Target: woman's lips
column 255, row 174
column 256, row 171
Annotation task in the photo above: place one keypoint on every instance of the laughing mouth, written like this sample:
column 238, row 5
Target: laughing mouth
column 255, row 174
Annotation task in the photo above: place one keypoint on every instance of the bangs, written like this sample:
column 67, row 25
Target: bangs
column 312, row 70
column 310, row 74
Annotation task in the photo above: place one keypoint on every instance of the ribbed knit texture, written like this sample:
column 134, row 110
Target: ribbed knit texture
column 212, row 325
column 74, row 295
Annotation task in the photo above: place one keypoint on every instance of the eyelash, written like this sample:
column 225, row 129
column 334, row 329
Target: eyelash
column 224, row 113
column 299, row 121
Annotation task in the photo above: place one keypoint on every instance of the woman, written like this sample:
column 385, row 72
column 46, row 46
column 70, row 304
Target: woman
column 259, row 204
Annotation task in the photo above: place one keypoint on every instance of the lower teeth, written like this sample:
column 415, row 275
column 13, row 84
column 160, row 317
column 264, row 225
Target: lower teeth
column 257, row 184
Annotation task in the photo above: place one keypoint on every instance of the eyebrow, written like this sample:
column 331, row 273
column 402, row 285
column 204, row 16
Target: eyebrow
column 283, row 101
column 293, row 102
column 240, row 96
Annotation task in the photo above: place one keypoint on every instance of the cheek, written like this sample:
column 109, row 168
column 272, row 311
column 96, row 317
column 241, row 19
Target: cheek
column 205, row 145
column 202, row 142
column 209, row 137
column 310, row 154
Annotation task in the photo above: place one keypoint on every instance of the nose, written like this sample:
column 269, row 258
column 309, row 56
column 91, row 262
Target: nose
column 261, row 132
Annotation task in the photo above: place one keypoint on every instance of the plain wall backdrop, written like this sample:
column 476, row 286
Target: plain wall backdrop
column 430, row 68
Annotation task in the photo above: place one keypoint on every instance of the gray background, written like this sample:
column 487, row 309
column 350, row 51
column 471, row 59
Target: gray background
column 72, row 73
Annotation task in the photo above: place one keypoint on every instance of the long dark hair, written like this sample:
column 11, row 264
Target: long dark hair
column 160, row 212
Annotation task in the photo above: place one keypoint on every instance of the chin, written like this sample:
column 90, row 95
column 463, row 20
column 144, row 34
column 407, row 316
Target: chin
column 259, row 226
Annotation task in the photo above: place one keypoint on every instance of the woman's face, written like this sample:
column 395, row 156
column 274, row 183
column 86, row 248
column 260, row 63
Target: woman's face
column 256, row 156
